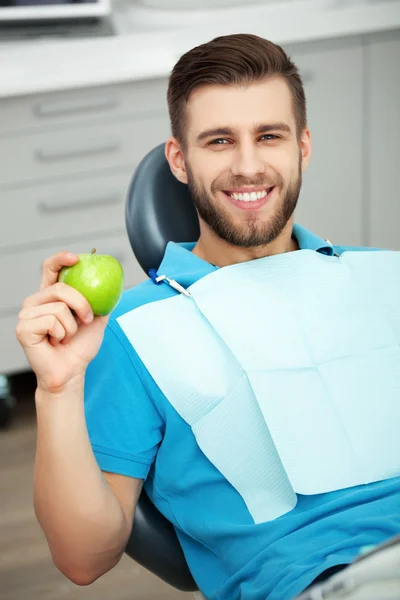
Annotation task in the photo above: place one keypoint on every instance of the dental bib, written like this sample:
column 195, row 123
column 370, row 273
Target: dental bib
column 287, row 369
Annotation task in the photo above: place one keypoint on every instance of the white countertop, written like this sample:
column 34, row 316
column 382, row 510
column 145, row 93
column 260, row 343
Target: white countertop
column 149, row 42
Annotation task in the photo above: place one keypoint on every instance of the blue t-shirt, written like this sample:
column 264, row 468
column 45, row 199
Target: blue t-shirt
column 135, row 431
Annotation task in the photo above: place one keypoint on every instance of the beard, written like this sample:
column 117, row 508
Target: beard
column 253, row 231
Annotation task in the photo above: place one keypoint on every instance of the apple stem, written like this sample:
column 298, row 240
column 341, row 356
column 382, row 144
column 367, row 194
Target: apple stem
column 93, row 250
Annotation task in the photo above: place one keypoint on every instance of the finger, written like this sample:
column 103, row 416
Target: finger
column 32, row 332
column 64, row 293
column 52, row 266
column 60, row 310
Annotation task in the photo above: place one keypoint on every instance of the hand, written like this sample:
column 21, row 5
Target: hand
column 58, row 343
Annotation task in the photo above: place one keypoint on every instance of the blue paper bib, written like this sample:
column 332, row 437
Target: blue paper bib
column 287, row 369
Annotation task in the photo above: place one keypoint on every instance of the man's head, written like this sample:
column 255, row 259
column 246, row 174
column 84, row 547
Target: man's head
column 238, row 118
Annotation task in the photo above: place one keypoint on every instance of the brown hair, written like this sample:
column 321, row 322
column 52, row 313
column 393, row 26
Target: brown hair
column 231, row 60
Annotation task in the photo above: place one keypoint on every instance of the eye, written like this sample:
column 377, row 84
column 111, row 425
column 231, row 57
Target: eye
column 219, row 141
column 269, row 137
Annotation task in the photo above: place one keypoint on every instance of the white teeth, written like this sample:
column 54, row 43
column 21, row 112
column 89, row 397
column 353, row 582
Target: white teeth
column 249, row 197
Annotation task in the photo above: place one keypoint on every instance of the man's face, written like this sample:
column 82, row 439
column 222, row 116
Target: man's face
column 243, row 160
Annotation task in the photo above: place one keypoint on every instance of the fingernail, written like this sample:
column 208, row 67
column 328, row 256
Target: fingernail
column 71, row 256
column 89, row 317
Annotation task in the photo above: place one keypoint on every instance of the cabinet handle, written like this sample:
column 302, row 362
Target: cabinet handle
column 64, row 107
column 49, row 154
column 55, row 205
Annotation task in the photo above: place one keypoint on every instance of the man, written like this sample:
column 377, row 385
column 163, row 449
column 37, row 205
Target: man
column 257, row 406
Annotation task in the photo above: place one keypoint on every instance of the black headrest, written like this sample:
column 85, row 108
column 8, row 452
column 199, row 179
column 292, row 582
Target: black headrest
column 159, row 209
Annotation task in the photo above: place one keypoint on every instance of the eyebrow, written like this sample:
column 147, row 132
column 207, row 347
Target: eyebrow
column 262, row 128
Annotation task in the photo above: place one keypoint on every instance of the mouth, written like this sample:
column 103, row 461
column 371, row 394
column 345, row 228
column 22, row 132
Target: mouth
column 249, row 199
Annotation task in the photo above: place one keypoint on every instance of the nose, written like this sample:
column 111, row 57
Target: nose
column 247, row 161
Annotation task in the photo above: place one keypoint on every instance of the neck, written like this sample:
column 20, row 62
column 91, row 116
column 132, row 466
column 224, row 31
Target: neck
column 216, row 251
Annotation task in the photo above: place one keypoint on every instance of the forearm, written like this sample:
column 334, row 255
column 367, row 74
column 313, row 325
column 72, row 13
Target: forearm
column 82, row 519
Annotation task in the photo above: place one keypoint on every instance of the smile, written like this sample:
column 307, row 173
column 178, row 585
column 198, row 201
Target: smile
column 250, row 196
column 249, row 200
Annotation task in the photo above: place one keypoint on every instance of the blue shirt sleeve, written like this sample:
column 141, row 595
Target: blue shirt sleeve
column 124, row 426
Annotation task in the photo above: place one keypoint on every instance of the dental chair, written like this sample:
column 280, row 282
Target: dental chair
column 159, row 209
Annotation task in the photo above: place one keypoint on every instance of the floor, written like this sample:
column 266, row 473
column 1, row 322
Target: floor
column 26, row 569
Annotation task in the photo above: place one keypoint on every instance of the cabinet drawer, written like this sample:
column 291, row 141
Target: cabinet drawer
column 43, row 156
column 73, row 106
column 21, row 271
column 50, row 212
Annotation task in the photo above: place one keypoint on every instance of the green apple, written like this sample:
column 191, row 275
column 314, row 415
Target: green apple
column 99, row 278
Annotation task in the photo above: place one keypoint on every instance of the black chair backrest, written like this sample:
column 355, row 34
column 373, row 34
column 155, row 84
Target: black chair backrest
column 159, row 209
column 154, row 544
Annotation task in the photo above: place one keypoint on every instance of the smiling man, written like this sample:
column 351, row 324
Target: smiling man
column 260, row 407
column 244, row 172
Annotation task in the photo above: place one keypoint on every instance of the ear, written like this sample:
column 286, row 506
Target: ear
column 305, row 147
column 175, row 158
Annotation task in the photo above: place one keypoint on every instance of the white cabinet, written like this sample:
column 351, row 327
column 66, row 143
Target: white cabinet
column 331, row 201
column 44, row 213
column 66, row 160
column 383, row 129
column 45, row 112
column 79, row 149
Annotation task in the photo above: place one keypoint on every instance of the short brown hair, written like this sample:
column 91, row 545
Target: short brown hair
column 231, row 60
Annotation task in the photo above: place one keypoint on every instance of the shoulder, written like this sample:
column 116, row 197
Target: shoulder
column 117, row 359
column 116, row 341
column 139, row 295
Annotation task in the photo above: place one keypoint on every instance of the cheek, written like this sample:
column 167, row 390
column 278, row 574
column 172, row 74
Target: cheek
column 212, row 165
column 202, row 170
column 286, row 165
column 211, row 180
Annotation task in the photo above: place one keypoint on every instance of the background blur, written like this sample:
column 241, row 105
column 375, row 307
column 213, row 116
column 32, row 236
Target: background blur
column 82, row 100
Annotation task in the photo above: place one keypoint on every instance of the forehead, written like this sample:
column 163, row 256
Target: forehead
column 239, row 107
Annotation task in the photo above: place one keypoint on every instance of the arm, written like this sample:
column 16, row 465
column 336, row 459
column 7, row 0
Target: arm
column 86, row 515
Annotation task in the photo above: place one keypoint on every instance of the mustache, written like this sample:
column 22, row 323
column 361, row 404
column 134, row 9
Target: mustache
column 239, row 182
